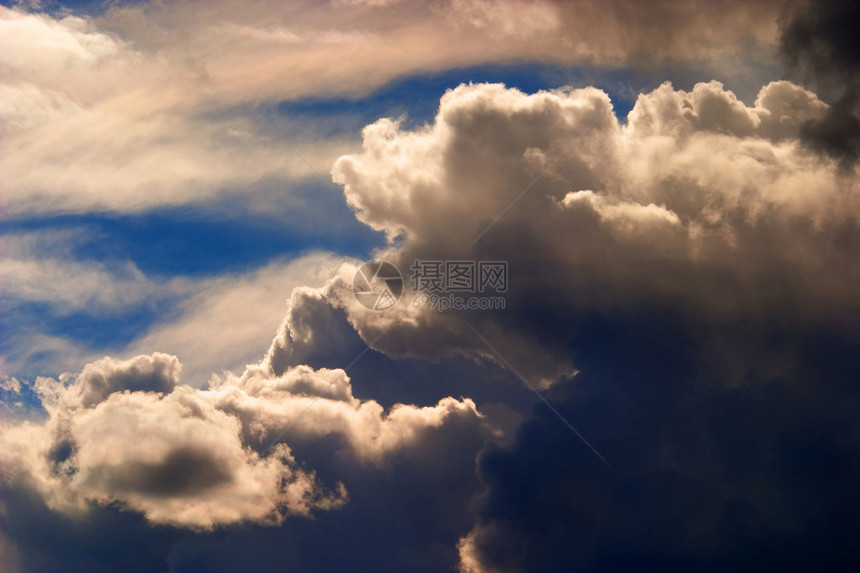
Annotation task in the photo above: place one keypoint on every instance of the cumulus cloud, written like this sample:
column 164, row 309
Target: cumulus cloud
column 701, row 217
column 124, row 432
column 696, row 182
column 681, row 204
column 128, row 432
column 669, row 251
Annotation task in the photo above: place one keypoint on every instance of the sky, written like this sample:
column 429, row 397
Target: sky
column 467, row 286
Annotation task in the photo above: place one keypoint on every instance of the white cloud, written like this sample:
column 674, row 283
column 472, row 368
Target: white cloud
column 93, row 124
column 173, row 457
column 10, row 385
column 41, row 267
column 128, row 432
column 71, row 286
column 35, row 42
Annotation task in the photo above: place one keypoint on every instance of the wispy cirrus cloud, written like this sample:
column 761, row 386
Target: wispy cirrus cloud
column 124, row 113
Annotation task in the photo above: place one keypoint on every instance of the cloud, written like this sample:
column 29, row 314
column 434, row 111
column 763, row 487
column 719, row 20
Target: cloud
column 72, row 286
column 41, row 267
column 816, row 47
column 99, row 380
column 128, row 432
column 678, row 263
column 675, row 282
column 50, row 46
column 658, row 258
column 90, row 127
column 697, row 185
column 702, row 476
column 171, row 103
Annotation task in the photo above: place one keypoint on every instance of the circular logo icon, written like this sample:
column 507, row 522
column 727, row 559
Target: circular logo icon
column 377, row 285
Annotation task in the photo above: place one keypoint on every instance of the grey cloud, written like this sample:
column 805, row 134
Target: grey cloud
column 757, row 476
column 696, row 266
column 818, row 46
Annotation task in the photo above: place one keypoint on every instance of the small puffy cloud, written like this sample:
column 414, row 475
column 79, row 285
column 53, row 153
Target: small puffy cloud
column 125, row 432
column 780, row 111
column 784, row 108
column 157, row 373
column 12, row 384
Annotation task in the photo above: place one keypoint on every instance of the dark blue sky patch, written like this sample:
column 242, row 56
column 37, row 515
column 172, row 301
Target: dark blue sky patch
column 207, row 240
column 102, row 330
column 22, row 405
column 417, row 96
column 57, row 8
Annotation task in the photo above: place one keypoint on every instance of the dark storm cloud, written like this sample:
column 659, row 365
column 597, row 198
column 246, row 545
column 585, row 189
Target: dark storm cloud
column 819, row 44
column 760, row 476
column 689, row 266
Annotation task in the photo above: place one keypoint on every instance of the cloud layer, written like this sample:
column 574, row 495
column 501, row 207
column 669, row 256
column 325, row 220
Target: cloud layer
column 150, row 105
